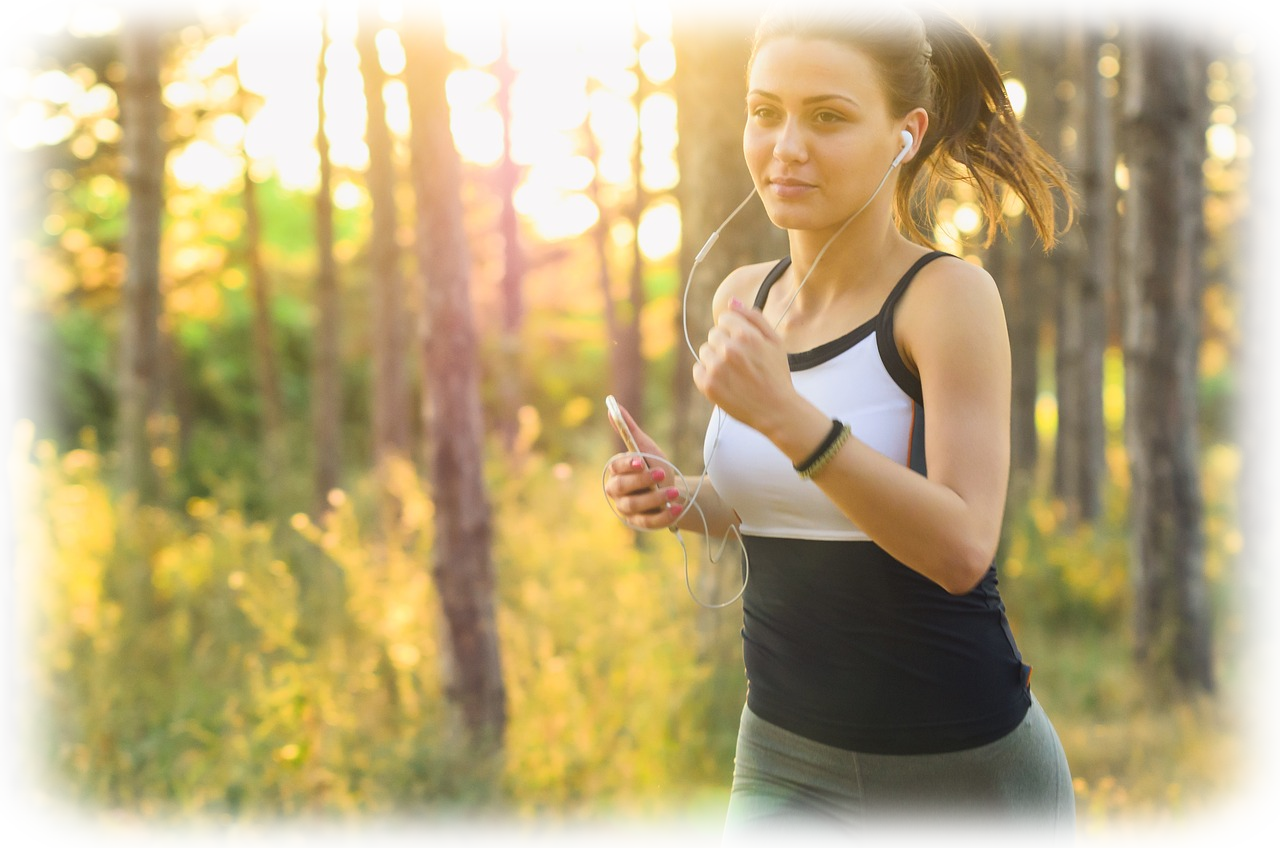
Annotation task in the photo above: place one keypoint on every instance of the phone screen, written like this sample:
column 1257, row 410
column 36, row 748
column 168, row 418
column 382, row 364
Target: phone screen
column 620, row 424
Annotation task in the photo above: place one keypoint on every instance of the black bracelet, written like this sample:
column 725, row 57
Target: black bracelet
column 806, row 468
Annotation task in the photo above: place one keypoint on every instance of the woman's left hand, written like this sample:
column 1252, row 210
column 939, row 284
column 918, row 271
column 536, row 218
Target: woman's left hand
column 743, row 367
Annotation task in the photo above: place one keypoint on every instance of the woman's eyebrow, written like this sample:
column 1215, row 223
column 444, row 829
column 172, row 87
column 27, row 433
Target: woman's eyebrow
column 817, row 98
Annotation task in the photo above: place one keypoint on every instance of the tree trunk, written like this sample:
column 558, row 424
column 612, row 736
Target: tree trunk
column 600, row 246
column 1082, row 328
column 390, row 401
column 463, row 565
column 1021, row 274
column 510, row 388
column 8, row 676
column 1164, row 83
column 628, row 362
column 1038, row 282
column 326, row 400
column 268, row 369
column 1260, row 414
column 142, row 113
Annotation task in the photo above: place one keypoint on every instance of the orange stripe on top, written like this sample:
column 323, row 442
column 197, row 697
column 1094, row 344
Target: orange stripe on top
column 911, row 434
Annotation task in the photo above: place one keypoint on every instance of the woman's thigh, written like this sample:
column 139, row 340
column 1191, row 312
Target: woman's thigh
column 1021, row 777
column 758, row 820
column 784, row 779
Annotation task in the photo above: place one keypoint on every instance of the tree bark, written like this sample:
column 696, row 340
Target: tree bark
column 463, row 567
column 390, row 396
column 268, row 369
column 1021, row 275
column 326, row 400
column 142, row 113
column 1082, row 327
column 8, row 673
column 1260, row 414
column 510, row 384
column 1164, row 83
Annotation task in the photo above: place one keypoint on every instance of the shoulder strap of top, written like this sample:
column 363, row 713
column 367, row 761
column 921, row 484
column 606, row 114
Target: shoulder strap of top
column 891, row 302
column 888, row 348
column 769, row 279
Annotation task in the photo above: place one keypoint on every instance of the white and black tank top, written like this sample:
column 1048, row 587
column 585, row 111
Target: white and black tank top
column 885, row 411
column 842, row 643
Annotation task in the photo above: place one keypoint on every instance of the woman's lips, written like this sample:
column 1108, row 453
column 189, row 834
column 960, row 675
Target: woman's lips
column 787, row 187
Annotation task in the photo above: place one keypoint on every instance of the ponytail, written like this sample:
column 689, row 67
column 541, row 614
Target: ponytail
column 974, row 136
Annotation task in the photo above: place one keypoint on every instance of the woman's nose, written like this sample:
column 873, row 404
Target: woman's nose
column 789, row 144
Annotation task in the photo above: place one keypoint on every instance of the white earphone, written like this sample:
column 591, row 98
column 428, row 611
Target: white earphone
column 907, row 141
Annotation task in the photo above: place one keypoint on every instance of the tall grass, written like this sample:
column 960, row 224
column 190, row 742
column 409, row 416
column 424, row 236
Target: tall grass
column 192, row 662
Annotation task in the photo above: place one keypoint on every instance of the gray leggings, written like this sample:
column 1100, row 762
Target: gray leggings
column 784, row 780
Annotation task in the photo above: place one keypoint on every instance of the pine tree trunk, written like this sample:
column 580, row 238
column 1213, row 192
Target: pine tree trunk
column 1082, row 327
column 600, row 246
column 326, row 400
column 142, row 113
column 1164, row 83
column 268, row 369
column 463, row 566
column 510, row 384
column 1260, row 413
column 390, row 401
column 628, row 371
column 1018, row 273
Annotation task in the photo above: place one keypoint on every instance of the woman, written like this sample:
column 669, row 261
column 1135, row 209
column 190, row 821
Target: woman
column 883, row 679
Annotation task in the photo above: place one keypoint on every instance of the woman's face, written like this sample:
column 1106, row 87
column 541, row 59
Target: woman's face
column 819, row 136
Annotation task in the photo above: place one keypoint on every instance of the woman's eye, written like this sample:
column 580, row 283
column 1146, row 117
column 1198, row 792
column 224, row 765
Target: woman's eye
column 764, row 113
column 828, row 117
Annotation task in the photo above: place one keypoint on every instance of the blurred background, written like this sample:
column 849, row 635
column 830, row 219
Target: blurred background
column 315, row 307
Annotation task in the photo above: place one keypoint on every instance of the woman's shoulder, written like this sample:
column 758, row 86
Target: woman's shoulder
column 949, row 285
column 742, row 283
column 949, row 305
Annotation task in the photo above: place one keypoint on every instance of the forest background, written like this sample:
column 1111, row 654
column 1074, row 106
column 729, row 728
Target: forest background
column 250, row 558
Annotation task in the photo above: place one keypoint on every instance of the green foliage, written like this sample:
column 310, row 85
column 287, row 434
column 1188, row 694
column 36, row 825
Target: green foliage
column 63, row 378
column 196, row 662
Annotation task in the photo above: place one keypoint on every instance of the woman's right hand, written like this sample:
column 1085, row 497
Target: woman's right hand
column 643, row 490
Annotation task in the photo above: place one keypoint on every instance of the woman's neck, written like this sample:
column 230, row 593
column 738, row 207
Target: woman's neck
column 853, row 260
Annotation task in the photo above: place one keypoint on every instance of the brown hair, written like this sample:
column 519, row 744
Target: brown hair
column 933, row 61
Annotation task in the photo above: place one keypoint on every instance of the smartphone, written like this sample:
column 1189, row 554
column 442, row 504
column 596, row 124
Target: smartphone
column 620, row 424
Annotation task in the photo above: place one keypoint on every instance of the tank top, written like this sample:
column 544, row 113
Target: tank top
column 842, row 643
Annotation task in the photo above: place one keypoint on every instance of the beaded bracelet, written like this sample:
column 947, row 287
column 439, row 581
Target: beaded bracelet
column 835, row 439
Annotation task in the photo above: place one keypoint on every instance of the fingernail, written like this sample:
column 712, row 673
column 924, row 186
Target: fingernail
column 673, row 493
column 735, row 303
column 659, row 475
column 637, row 463
column 675, row 508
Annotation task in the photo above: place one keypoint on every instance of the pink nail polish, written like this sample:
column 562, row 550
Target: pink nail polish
column 659, row 475
column 676, row 508
column 673, row 493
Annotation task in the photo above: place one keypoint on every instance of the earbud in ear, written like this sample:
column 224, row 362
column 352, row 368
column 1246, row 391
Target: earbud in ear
column 907, row 140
